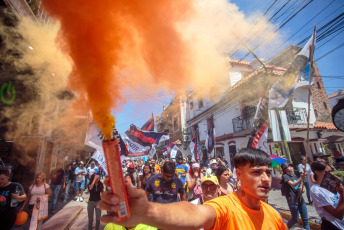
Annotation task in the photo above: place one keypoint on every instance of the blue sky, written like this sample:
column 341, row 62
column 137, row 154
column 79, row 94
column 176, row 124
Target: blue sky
column 331, row 66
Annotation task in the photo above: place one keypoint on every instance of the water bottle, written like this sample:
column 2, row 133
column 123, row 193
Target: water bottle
column 14, row 202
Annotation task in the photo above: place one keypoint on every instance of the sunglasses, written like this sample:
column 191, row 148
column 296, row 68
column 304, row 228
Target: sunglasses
column 211, row 186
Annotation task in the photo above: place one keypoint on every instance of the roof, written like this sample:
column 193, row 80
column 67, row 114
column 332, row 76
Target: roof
column 336, row 94
column 325, row 125
column 234, row 60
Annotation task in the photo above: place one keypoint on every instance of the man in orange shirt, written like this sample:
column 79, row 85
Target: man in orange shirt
column 242, row 209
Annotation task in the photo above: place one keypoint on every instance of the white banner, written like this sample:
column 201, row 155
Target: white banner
column 173, row 151
column 99, row 157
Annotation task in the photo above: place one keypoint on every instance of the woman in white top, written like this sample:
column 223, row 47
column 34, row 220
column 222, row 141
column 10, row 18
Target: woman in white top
column 329, row 206
column 39, row 188
column 224, row 175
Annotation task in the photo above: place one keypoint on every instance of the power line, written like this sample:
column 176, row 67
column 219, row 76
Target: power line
column 329, row 52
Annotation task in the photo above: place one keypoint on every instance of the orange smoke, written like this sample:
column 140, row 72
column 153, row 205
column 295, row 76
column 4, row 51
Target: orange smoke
column 115, row 44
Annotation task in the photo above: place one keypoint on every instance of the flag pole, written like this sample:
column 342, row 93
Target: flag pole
column 311, row 52
column 191, row 139
column 90, row 158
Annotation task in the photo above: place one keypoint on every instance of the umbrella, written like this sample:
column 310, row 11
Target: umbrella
column 276, row 160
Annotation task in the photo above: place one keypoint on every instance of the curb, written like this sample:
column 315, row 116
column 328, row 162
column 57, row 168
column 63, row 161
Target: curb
column 71, row 220
column 313, row 225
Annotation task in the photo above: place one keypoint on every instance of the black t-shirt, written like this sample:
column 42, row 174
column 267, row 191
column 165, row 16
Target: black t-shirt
column 56, row 176
column 292, row 193
column 96, row 190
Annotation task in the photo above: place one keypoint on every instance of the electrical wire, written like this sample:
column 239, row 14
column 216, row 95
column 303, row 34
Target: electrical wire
column 329, row 52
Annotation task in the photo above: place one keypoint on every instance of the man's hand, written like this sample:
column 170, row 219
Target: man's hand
column 184, row 175
column 196, row 174
column 15, row 196
column 96, row 177
column 340, row 189
column 138, row 205
column 302, row 175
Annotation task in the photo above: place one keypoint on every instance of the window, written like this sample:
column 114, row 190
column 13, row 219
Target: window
column 318, row 84
column 200, row 103
column 175, row 123
column 191, row 105
column 316, row 113
column 325, row 106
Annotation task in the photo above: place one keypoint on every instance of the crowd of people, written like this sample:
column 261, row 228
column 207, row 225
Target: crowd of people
column 224, row 200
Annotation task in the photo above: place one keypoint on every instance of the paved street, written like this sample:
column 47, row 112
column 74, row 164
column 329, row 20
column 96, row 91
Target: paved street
column 73, row 215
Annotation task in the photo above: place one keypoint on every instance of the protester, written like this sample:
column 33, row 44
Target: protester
column 57, row 182
column 240, row 210
column 317, row 157
column 223, row 162
column 129, row 178
column 91, row 170
column 193, row 181
column 340, row 164
column 155, row 167
column 223, row 176
column 133, row 174
column 143, row 179
column 10, row 195
column 301, row 168
column 292, row 185
column 166, row 186
column 139, row 170
column 80, row 173
column 37, row 189
column 101, row 172
column 181, row 169
column 213, row 166
column 96, row 188
column 329, row 206
column 185, row 162
column 210, row 189
column 69, row 181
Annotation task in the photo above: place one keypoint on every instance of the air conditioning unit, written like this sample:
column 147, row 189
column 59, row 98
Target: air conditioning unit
column 186, row 138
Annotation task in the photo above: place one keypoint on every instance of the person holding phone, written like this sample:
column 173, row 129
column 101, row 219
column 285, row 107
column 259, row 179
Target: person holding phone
column 329, row 206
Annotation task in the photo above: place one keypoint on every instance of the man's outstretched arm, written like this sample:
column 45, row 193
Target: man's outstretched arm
column 181, row 215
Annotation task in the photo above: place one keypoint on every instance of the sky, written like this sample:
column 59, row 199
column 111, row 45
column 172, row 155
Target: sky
column 138, row 109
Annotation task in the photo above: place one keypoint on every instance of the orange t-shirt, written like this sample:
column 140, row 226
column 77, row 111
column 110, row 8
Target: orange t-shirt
column 157, row 169
column 231, row 213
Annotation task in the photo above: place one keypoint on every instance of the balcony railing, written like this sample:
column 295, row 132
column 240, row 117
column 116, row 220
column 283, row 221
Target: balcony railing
column 296, row 116
column 240, row 123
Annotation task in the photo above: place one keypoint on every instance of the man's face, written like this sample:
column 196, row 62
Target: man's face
column 303, row 161
column 81, row 166
column 184, row 161
column 180, row 161
column 324, row 159
column 167, row 177
column 153, row 162
column 213, row 166
column 131, row 170
column 210, row 190
column 3, row 179
column 255, row 181
column 289, row 169
column 58, row 165
column 92, row 165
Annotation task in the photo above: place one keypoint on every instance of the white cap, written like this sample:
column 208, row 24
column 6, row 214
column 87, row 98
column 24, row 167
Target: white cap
column 213, row 161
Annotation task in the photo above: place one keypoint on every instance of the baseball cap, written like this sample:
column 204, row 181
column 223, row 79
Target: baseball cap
column 320, row 155
column 210, row 178
column 213, row 161
column 285, row 165
column 340, row 160
column 131, row 166
column 81, row 163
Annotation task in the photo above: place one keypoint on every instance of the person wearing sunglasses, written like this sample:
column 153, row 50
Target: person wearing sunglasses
column 210, row 189
column 166, row 186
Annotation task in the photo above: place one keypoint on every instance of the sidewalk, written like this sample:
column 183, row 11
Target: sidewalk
column 276, row 199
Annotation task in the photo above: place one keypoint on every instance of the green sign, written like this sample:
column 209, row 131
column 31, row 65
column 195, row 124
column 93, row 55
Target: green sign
column 7, row 93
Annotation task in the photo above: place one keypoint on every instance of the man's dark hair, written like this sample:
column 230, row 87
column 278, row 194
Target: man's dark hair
column 317, row 166
column 255, row 157
column 169, row 167
column 4, row 172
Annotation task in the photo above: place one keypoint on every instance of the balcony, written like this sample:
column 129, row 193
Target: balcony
column 296, row 116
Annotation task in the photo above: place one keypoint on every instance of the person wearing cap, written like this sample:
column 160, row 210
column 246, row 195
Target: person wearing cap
column 132, row 173
column 155, row 166
column 301, row 168
column 317, row 157
column 193, row 181
column 242, row 209
column 210, row 189
column 292, row 186
column 213, row 166
column 166, row 186
column 181, row 170
column 329, row 206
column 57, row 182
column 80, row 173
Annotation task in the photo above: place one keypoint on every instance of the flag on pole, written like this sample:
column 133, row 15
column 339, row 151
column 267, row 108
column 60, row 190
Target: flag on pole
column 99, row 157
column 149, row 125
column 164, row 151
column 138, row 141
column 195, row 147
column 173, row 149
column 210, row 141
